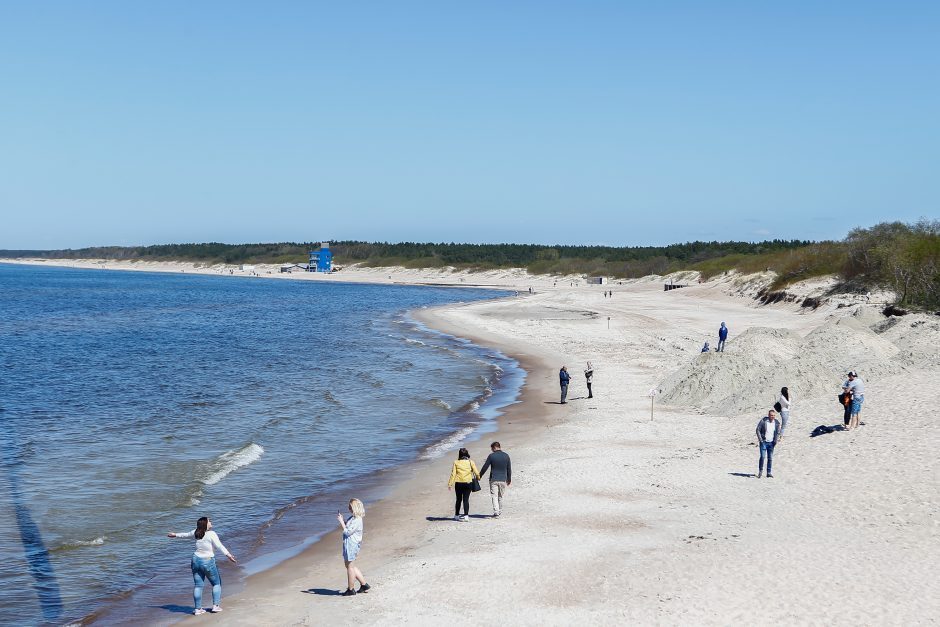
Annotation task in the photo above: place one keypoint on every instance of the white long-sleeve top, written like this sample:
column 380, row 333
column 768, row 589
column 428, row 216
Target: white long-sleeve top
column 204, row 546
column 784, row 403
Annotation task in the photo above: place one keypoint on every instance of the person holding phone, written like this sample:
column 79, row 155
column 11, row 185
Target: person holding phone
column 352, row 542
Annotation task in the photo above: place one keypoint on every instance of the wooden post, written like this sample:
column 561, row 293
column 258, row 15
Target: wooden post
column 608, row 322
column 652, row 395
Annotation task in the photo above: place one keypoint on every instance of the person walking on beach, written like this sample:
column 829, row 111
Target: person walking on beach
column 564, row 378
column 203, row 563
column 500, row 467
column 783, row 406
column 856, row 387
column 768, row 432
column 722, row 336
column 352, row 542
column 589, row 376
column 462, row 474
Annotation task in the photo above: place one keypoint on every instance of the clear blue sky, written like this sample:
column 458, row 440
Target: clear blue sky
column 617, row 123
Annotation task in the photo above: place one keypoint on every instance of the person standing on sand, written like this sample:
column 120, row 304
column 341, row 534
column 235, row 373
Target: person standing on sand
column 352, row 542
column 845, row 398
column 768, row 432
column 784, row 403
column 564, row 378
column 722, row 336
column 462, row 474
column 203, row 563
column 856, row 386
column 589, row 376
column 500, row 467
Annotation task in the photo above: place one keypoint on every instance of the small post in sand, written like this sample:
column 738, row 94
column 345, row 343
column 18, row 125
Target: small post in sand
column 652, row 396
column 608, row 322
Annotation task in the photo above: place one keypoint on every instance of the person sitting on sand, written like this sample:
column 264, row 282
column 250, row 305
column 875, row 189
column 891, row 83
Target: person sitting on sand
column 352, row 542
column 564, row 378
column 203, row 564
column 768, row 432
column 462, row 474
column 856, row 386
column 705, row 348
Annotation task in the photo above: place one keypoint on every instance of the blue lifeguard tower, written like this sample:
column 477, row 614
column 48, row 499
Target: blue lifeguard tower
column 321, row 260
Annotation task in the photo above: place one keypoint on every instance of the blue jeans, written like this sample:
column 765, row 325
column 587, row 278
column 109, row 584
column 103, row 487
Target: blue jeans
column 205, row 568
column 767, row 447
column 564, row 392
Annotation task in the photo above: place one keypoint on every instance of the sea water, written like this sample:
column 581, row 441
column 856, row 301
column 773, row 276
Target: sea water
column 133, row 403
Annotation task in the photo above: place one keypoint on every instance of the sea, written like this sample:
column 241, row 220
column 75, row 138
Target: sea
column 133, row 403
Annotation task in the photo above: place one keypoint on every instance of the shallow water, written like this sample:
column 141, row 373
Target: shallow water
column 133, row 403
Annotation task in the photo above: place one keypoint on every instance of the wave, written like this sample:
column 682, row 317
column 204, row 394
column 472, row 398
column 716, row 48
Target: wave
column 441, row 403
column 447, row 444
column 328, row 396
column 77, row 544
column 227, row 463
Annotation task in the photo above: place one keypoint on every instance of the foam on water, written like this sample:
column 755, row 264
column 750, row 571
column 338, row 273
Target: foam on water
column 230, row 461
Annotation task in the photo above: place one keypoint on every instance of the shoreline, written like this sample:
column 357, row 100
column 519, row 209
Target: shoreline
column 618, row 516
column 615, row 517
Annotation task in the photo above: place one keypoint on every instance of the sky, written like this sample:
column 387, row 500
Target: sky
column 589, row 122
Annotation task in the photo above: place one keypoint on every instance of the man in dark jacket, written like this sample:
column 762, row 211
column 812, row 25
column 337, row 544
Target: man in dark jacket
column 564, row 378
column 722, row 336
column 768, row 432
column 500, row 467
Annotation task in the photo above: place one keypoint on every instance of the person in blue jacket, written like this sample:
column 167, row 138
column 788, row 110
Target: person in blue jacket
column 564, row 378
column 722, row 336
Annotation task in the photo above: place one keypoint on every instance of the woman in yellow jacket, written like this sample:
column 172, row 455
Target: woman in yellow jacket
column 461, row 479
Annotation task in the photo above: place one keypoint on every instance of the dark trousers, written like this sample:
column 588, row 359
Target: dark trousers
column 847, row 415
column 564, row 392
column 768, row 448
column 721, row 346
column 462, row 490
column 590, row 393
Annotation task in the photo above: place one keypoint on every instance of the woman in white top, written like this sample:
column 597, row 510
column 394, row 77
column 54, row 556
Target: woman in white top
column 784, row 402
column 203, row 563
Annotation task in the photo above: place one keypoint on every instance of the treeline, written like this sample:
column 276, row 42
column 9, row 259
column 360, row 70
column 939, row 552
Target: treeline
column 902, row 257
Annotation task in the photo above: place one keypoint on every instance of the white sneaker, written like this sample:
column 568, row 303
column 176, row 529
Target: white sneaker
column 496, row 514
column 465, row 518
column 216, row 609
column 198, row 611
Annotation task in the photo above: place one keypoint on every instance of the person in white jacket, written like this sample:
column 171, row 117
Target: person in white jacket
column 784, row 401
column 203, row 563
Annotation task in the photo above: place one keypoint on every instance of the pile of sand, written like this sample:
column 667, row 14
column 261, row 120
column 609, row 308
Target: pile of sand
column 747, row 377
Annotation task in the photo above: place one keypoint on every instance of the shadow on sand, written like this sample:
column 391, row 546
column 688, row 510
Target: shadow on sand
column 742, row 474
column 451, row 518
column 176, row 609
column 325, row 592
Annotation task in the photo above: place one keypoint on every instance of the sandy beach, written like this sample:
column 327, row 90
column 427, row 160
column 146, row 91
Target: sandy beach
column 618, row 516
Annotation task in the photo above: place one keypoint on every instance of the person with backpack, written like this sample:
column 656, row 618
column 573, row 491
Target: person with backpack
column 768, row 433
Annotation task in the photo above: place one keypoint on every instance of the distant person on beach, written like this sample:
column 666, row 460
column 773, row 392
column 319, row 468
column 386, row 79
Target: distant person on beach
column 768, row 433
column 462, row 475
column 203, row 563
column 722, row 336
column 783, row 406
column 500, row 467
column 705, row 348
column 856, row 386
column 589, row 376
column 845, row 399
column 352, row 542
column 564, row 378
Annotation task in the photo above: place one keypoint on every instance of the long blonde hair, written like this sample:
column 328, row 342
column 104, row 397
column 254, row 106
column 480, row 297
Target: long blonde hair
column 357, row 508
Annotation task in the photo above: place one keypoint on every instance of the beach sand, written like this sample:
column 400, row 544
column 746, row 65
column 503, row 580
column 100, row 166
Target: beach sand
column 616, row 516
